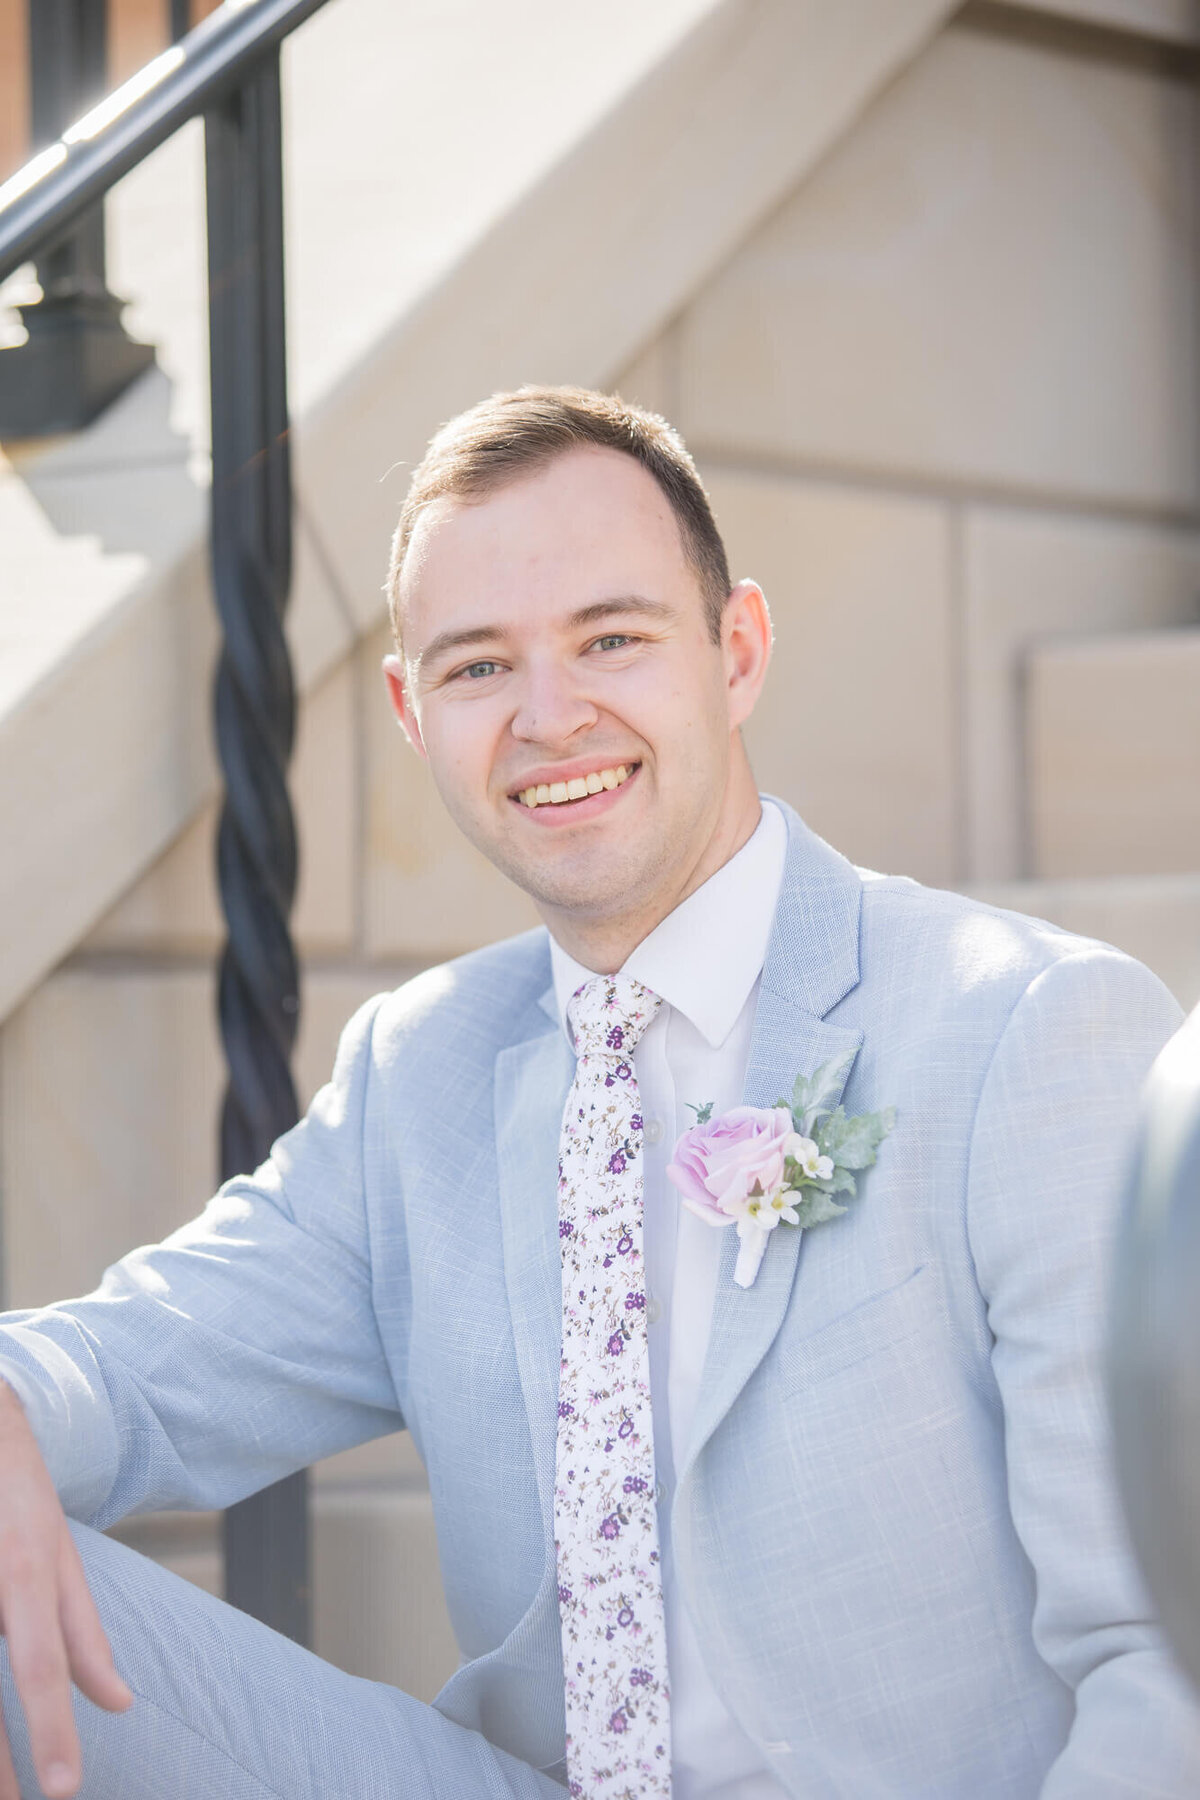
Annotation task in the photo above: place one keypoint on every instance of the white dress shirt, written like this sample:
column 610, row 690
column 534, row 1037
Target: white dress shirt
column 705, row 960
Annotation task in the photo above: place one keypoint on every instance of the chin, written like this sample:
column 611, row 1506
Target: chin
column 593, row 888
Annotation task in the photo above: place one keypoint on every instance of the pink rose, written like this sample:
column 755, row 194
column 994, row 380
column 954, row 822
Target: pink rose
column 717, row 1167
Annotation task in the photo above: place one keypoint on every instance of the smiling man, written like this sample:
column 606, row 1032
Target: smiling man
column 845, row 1527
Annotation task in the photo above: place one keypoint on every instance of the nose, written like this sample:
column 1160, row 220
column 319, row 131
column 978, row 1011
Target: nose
column 552, row 707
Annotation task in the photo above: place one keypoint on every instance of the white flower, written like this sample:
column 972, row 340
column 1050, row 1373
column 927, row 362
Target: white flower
column 757, row 1215
column 780, row 1207
column 805, row 1154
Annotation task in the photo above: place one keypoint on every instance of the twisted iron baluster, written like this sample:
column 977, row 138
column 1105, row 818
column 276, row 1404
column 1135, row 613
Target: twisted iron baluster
column 266, row 1543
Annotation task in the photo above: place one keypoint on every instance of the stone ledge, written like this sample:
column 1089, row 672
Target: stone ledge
column 1113, row 754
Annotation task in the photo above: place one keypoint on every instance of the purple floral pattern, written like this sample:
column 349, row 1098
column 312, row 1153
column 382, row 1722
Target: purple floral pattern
column 605, row 1523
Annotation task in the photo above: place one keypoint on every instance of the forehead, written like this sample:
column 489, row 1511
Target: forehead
column 590, row 522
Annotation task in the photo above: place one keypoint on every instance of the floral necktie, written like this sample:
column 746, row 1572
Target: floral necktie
column 605, row 1523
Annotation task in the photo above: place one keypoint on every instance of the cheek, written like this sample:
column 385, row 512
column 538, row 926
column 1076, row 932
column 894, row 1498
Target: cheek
column 684, row 717
column 461, row 746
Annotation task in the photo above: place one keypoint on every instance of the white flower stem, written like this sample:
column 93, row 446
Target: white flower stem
column 750, row 1254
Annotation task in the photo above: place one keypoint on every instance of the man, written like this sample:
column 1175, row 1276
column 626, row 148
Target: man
column 881, row 1553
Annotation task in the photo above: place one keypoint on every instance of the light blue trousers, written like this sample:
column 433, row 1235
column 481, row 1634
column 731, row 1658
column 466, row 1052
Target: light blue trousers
column 226, row 1709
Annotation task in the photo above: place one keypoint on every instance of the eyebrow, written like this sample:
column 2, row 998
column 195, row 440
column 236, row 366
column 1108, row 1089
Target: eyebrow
column 639, row 605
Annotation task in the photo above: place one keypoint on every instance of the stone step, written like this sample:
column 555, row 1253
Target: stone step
column 1113, row 754
column 378, row 1606
column 1155, row 918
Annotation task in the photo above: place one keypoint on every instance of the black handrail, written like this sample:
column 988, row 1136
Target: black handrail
column 1154, row 1344
column 50, row 192
column 228, row 70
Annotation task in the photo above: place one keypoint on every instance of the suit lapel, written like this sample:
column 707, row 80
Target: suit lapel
column 811, row 964
column 531, row 1083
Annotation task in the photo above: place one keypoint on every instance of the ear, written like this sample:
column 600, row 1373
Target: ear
column 395, row 677
column 746, row 639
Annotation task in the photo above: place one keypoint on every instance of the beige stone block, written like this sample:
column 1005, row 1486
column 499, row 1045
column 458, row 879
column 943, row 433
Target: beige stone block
column 109, row 1085
column 1155, row 918
column 329, row 998
column 385, row 1462
column 111, row 1077
column 991, row 280
column 104, row 752
column 187, row 1543
column 1172, row 21
column 649, row 380
column 1114, row 755
column 856, row 726
column 175, row 905
column 1030, row 577
column 378, row 1604
column 427, row 892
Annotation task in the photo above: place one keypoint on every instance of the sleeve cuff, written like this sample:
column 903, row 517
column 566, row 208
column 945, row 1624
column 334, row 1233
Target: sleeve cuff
column 73, row 1424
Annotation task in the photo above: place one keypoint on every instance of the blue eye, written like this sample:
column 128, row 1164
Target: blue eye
column 472, row 670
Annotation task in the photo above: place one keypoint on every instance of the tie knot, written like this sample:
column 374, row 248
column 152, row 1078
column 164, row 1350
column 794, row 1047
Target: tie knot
column 608, row 1015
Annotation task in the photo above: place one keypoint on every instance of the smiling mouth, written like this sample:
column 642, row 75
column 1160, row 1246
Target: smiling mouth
column 580, row 787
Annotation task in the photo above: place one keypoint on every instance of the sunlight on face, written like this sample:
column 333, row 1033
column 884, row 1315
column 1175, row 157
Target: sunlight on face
column 553, row 632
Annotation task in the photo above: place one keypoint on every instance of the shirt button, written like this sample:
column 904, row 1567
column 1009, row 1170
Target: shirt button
column 653, row 1310
column 652, row 1131
column 660, row 1492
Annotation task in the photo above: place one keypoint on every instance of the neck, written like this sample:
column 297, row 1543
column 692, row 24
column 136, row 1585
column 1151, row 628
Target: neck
column 605, row 944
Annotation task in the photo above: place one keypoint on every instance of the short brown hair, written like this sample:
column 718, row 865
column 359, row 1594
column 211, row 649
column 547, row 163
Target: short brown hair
column 500, row 438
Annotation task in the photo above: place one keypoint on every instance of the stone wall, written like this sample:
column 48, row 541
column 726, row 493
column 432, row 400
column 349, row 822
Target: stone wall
column 946, row 400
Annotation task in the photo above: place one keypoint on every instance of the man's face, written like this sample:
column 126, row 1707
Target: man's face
column 554, row 633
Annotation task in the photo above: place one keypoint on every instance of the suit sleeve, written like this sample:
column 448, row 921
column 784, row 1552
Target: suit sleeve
column 1055, row 1122
column 242, row 1347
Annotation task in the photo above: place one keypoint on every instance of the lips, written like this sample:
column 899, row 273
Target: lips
column 575, row 788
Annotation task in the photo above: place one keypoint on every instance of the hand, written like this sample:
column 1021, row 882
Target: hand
column 47, row 1614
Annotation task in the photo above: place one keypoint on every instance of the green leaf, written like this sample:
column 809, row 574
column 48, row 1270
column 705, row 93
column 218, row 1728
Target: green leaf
column 852, row 1142
column 814, row 1095
column 815, row 1208
column 703, row 1113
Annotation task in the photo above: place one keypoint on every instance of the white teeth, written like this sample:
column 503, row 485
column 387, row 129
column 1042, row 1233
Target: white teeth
column 555, row 793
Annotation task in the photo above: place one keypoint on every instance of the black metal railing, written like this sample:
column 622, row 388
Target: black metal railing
column 1154, row 1345
column 226, row 70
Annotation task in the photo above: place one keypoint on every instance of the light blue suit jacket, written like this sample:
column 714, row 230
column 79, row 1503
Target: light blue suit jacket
column 894, row 1525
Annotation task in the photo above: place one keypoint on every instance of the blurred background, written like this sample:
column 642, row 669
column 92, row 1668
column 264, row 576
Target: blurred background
column 918, row 282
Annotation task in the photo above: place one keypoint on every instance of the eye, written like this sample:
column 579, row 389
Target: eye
column 478, row 671
column 613, row 640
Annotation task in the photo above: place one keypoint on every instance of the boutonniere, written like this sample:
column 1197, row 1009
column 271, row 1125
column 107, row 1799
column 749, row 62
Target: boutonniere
column 760, row 1166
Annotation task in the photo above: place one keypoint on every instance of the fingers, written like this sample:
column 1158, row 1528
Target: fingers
column 38, row 1658
column 89, row 1653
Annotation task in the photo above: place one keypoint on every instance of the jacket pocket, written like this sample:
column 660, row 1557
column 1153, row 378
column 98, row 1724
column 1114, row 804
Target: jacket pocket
column 878, row 1323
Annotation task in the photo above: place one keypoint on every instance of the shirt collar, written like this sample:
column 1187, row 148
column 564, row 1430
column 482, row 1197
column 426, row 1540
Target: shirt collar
column 705, row 957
